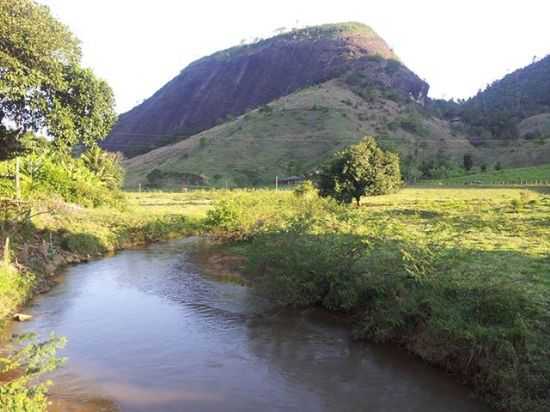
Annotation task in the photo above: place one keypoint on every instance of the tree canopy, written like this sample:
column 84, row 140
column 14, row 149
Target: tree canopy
column 360, row 170
column 42, row 85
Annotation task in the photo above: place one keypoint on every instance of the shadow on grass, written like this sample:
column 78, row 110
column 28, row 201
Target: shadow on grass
column 481, row 314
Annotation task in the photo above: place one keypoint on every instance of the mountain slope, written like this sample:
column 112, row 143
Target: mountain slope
column 498, row 111
column 231, row 82
column 292, row 135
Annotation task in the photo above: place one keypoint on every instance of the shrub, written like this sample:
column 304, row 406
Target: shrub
column 48, row 174
column 361, row 169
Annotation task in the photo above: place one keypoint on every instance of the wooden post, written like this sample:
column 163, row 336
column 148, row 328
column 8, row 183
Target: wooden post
column 17, row 180
column 139, row 188
column 276, row 183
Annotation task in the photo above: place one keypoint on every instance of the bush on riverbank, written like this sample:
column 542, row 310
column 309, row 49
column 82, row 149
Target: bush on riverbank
column 458, row 278
column 46, row 174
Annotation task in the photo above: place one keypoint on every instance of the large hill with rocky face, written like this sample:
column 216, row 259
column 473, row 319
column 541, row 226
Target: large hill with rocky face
column 229, row 83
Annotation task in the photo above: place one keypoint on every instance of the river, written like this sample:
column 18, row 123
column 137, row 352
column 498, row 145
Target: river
column 148, row 331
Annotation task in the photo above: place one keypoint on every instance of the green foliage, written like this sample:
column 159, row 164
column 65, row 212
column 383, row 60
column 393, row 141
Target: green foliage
column 42, row 84
column 82, row 113
column 360, row 170
column 23, row 394
column 306, row 190
column 496, row 112
column 13, row 286
column 106, row 166
column 48, row 173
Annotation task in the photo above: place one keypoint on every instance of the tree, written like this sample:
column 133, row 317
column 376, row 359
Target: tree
column 360, row 170
column 42, row 85
column 468, row 162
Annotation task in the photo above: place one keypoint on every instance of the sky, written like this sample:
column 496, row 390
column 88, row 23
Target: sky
column 457, row 46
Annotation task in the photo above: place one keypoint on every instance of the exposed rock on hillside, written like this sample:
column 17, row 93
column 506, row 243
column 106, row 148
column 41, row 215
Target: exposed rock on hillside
column 229, row 83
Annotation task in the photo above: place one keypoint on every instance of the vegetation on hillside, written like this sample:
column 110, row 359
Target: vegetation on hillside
column 497, row 111
column 458, row 277
column 295, row 134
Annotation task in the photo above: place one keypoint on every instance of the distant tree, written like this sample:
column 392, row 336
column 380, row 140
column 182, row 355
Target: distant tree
column 468, row 162
column 498, row 166
column 483, row 168
column 360, row 170
column 42, row 85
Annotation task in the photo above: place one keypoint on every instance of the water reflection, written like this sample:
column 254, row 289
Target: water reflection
column 148, row 333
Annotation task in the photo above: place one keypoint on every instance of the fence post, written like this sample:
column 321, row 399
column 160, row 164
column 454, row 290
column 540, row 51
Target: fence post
column 276, row 183
column 17, row 180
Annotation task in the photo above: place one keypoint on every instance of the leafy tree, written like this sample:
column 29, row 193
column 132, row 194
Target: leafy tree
column 363, row 169
column 42, row 85
column 468, row 162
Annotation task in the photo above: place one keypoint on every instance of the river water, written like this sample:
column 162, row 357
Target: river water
column 148, row 331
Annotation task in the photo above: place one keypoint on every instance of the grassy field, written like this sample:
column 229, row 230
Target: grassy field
column 524, row 175
column 460, row 277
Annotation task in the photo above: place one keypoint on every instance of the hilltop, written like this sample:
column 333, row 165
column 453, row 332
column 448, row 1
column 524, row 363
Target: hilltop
column 229, row 83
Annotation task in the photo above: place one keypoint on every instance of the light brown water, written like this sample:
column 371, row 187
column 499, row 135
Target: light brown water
column 148, row 332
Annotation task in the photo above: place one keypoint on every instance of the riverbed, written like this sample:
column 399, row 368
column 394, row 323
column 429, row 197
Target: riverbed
column 149, row 331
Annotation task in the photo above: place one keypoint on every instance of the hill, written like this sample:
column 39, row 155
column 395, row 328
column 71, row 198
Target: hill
column 231, row 82
column 518, row 105
column 292, row 135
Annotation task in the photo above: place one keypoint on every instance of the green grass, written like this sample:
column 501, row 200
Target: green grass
column 460, row 277
column 524, row 175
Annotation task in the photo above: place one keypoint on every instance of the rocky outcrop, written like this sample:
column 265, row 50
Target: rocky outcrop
column 234, row 81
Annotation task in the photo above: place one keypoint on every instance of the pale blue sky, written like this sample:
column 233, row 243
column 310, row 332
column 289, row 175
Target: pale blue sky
column 457, row 46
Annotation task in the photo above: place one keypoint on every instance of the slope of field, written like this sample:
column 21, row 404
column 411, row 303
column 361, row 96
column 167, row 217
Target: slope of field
column 523, row 175
column 291, row 136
